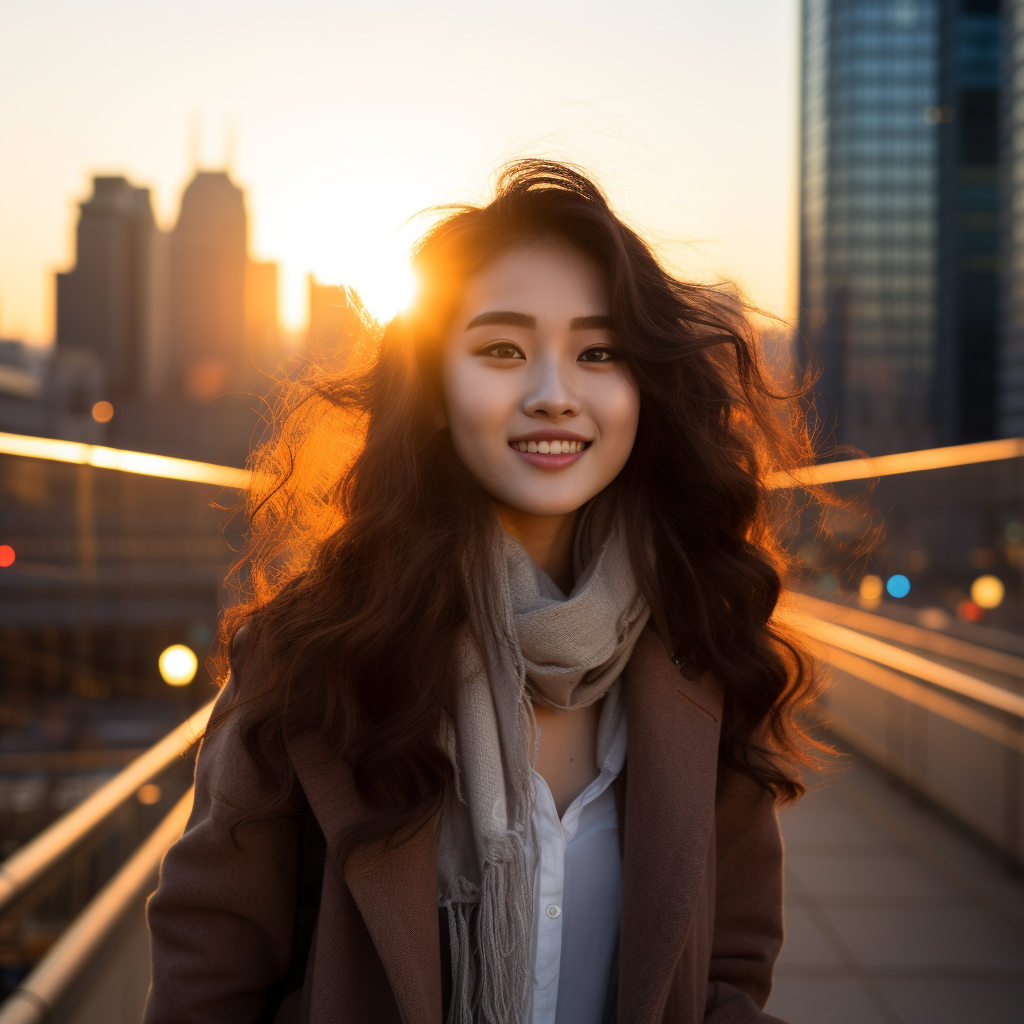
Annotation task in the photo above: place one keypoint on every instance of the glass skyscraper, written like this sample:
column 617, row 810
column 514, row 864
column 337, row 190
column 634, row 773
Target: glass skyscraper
column 899, row 194
column 1011, row 368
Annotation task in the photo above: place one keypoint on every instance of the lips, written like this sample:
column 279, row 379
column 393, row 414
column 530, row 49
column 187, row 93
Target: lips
column 543, row 451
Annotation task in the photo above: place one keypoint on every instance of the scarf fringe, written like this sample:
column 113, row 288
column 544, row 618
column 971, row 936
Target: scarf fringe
column 490, row 938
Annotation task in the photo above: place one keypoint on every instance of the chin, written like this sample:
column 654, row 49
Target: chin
column 547, row 506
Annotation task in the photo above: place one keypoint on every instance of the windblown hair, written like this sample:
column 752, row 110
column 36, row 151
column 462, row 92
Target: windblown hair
column 363, row 518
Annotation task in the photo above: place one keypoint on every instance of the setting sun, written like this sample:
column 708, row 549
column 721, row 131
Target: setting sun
column 354, row 230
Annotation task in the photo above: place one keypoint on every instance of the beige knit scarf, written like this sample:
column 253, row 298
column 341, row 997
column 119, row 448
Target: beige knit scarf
column 535, row 645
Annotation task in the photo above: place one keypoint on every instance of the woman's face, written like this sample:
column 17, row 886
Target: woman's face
column 541, row 407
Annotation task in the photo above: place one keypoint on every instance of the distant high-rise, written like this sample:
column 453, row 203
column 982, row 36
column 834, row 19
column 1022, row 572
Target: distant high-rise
column 1011, row 365
column 108, row 306
column 334, row 322
column 262, row 331
column 209, row 252
column 899, row 191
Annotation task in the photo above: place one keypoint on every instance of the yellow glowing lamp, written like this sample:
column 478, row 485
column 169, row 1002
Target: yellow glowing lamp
column 988, row 592
column 871, row 588
column 178, row 665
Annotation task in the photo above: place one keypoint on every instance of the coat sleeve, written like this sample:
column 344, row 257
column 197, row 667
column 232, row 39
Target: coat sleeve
column 221, row 921
column 748, row 932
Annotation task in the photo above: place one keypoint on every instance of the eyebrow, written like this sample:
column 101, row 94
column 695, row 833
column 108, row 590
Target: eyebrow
column 591, row 323
column 506, row 318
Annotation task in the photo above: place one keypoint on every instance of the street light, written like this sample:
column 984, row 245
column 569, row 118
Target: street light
column 178, row 665
column 988, row 592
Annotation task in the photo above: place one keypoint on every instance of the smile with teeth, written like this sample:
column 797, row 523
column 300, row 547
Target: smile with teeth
column 550, row 447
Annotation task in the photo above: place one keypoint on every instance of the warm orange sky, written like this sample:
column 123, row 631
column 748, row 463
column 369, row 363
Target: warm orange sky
column 351, row 117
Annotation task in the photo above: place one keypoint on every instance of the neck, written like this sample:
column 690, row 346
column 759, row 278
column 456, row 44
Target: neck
column 548, row 540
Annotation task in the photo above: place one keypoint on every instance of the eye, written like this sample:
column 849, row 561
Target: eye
column 598, row 354
column 503, row 350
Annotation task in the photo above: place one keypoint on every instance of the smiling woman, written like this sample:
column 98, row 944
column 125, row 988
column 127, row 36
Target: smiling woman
column 532, row 510
column 541, row 406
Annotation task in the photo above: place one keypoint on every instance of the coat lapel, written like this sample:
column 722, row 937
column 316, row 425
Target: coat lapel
column 395, row 888
column 673, row 730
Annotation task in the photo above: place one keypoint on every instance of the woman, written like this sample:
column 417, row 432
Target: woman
column 507, row 716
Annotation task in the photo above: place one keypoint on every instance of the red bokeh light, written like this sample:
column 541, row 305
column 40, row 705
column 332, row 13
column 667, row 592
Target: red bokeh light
column 6, row 555
column 969, row 611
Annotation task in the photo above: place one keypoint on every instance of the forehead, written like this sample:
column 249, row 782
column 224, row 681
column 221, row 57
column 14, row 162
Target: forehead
column 549, row 279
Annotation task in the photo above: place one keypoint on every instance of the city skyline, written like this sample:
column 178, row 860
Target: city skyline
column 347, row 121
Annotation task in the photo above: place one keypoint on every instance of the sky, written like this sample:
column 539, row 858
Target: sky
column 344, row 120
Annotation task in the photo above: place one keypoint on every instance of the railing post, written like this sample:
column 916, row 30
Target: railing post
column 85, row 518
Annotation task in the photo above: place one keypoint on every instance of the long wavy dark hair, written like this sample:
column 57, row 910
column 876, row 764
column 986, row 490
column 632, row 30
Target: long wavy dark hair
column 362, row 516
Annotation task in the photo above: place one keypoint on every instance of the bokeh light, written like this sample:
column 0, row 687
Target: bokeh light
column 149, row 794
column 933, row 618
column 871, row 588
column 898, row 585
column 102, row 412
column 178, row 665
column 988, row 592
column 6, row 556
column 969, row 611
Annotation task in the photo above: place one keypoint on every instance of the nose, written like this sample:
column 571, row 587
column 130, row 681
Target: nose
column 551, row 395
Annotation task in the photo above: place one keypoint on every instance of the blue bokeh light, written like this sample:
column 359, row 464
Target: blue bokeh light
column 898, row 586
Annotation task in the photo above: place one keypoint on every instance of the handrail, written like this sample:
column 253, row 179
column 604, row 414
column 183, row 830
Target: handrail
column 127, row 462
column 29, row 864
column 38, row 997
column 901, row 462
column 904, row 661
column 170, row 468
column 914, row 636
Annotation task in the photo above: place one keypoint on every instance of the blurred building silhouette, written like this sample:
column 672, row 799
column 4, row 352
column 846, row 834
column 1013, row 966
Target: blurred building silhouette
column 334, row 322
column 177, row 331
column 1011, row 366
column 900, row 189
column 262, row 331
column 209, row 252
column 110, row 309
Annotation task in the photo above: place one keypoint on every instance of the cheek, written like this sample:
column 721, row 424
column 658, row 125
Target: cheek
column 618, row 413
column 475, row 405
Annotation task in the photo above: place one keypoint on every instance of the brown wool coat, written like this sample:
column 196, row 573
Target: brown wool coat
column 701, row 905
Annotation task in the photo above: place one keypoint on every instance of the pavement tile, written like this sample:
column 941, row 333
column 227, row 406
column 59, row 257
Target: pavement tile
column 825, row 816
column 838, row 1000
column 880, row 873
column 962, row 1001
column 961, row 937
column 805, row 944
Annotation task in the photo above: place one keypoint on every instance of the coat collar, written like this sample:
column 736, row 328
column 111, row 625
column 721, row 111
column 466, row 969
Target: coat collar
column 673, row 726
column 394, row 886
column 672, row 752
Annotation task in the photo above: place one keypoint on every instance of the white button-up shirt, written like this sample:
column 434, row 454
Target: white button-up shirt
column 577, row 896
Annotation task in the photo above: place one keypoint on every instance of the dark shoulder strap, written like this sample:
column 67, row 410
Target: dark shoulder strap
column 309, row 883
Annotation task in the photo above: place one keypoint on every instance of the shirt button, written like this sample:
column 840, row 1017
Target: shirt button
column 553, row 911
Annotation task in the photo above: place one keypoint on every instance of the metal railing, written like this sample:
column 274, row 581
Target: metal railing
column 900, row 669
column 79, row 974
column 142, row 463
column 902, row 462
column 956, row 738
column 42, row 855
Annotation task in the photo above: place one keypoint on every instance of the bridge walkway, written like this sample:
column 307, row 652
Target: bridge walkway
column 894, row 913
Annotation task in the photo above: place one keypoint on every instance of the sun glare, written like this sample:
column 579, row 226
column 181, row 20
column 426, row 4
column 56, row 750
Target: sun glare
column 354, row 231
column 388, row 291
